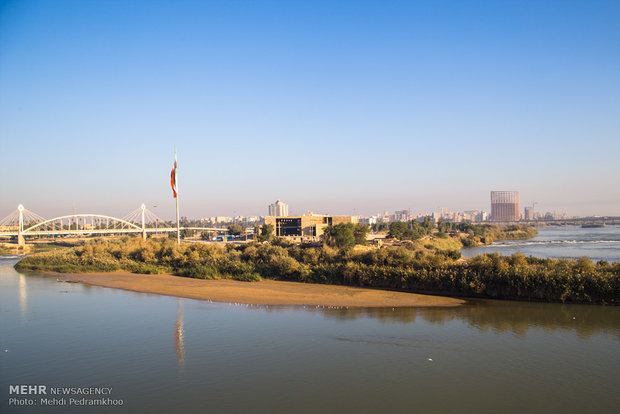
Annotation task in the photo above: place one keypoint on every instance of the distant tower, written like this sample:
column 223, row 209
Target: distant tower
column 278, row 209
column 504, row 205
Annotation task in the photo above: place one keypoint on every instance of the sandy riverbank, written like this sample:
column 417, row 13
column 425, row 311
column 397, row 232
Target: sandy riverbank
column 266, row 292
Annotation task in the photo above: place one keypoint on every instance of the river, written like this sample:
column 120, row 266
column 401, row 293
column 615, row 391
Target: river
column 567, row 241
column 162, row 354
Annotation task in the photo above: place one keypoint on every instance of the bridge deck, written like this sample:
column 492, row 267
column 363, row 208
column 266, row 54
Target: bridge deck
column 60, row 232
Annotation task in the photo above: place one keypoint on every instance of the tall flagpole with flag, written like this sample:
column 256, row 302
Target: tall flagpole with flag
column 175, row 192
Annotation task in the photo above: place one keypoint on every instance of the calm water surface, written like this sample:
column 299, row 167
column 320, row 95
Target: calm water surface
column 568, row 241
column 162, row 354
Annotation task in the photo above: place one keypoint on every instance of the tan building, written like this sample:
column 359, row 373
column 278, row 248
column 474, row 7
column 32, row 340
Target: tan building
column 307, row 226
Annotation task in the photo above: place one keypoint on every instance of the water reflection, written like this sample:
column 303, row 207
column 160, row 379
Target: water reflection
column 499, row 316
column 485, row 315
column 23, row 296
column 178, row 335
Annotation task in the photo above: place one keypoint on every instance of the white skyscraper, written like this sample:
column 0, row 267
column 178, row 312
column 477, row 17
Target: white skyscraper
column 278, row 209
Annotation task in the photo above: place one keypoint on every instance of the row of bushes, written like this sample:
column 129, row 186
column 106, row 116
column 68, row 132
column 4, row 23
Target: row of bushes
column 401, row 268
column 153, row 256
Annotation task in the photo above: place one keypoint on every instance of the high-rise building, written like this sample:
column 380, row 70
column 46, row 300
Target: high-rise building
column 402, row 215
column 278, row 209
column 528, row 213
column 504, row 205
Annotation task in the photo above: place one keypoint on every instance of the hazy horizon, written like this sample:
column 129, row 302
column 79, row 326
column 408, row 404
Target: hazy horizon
column 165, row 210
column 333, row 107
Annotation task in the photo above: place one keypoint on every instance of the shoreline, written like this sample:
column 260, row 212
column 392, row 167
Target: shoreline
column 265, row 292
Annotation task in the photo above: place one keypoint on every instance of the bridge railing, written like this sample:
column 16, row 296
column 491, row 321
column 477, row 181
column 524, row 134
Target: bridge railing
column 83, row 223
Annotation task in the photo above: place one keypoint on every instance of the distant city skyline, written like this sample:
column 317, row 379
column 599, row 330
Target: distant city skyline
column 536, row 210
column 334, row 107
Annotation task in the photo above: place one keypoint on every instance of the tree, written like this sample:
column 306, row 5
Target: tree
column 341, row 236
column 266, row 233
column 416, row 230
column 360, row 231
column 377, row 227
column 397, row 229
column 235, row 229
column 443, row 227
column 186, row 233
column 205, row 235
column 428, row 225
column 412, row 234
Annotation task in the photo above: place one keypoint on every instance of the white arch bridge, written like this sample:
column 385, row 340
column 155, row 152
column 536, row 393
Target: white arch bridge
column 23, row 223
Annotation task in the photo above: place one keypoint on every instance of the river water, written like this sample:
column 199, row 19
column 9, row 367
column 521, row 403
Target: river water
column 162, row 354
column 568, row 241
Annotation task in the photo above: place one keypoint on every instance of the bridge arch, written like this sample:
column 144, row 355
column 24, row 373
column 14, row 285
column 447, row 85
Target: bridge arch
column 116, row 223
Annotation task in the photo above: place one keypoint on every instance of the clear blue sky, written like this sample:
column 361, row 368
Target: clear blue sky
column 331, row 106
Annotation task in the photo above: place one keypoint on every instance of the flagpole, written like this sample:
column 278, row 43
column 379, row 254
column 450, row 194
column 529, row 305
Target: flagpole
column 176, row 182
column 178, row 228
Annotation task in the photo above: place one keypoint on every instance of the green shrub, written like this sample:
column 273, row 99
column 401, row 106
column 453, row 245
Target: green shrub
column 199, row 272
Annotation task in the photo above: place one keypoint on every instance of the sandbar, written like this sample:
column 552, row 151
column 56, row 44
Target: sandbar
column 265, row 292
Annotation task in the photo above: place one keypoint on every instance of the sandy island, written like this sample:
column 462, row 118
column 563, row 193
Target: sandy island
column 266, row 292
